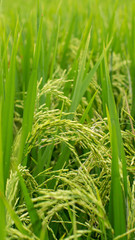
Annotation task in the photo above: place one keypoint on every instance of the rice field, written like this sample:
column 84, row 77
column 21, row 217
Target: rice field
column 67, row 120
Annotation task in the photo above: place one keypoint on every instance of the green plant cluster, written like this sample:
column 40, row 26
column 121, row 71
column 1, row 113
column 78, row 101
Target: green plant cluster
column 67, row 120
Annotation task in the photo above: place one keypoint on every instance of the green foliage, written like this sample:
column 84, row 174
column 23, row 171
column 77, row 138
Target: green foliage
column 118, row 197
column 2, row 208
column 67, row 120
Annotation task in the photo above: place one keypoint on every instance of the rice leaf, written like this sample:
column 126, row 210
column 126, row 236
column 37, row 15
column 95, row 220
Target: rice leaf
column 118, row 198
column 14, row 216
column 35, row 220
column 29, row 105
column 114, row 117
column 117, row 210
column 88, row 108
column 8, row 107
column 2, row 207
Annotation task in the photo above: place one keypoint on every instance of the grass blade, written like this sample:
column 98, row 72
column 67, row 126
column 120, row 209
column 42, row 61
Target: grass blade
column 79, row 82
column 132, row 57
column 55, row 50
column 90, row 75
column 2, row 208
column 35, row 220
column 14, row 216
column 84, row 116
column 8, row 108
column 67, row 41
column 118, row 197
column 117, row 205
column 30, row 99
column 114, row 117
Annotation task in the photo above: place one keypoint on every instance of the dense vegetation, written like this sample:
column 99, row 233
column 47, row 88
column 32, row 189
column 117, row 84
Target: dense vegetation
column 67, row 119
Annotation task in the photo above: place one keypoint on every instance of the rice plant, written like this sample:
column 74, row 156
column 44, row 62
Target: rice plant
column 67, row 118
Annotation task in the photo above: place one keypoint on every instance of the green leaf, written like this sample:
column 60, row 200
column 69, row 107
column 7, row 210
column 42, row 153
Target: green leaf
column 2, row 207
column 14, row 216
column 35, row 220
column 117, row 209
column 8, row 107
column 29, row 105
column 84, row 116
column 118, row 197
